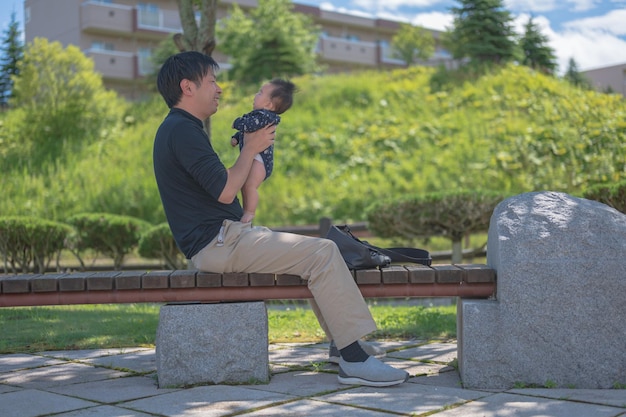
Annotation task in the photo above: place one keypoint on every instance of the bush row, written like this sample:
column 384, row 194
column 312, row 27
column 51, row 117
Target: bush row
column 30, row 244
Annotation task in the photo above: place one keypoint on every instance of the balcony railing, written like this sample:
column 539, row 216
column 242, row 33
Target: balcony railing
column 120, row 19
column 113, row 64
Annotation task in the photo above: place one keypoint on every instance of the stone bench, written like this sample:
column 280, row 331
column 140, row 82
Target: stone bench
column 213, row 328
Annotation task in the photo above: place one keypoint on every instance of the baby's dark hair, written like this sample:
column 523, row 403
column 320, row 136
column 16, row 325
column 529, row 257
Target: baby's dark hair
column 282, row 94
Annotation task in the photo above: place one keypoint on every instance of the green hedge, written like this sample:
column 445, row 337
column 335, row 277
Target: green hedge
column 452, row 215
column 30, row 244
column 612, row 195
column 113, row 235
column 158, row 243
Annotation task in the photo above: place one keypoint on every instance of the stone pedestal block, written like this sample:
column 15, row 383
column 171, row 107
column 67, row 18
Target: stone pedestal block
column 558, row 317
column 212, row 344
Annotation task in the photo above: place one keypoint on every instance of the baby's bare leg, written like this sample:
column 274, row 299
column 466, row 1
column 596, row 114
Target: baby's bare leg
column 249, row 191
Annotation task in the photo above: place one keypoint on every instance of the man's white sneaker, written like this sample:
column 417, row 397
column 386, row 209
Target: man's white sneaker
column 372, row 372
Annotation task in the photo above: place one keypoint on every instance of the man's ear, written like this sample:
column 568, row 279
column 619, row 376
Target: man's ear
column 185, row 87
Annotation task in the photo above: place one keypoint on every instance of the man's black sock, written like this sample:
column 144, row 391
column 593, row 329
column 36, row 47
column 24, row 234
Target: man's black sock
column 353, row 353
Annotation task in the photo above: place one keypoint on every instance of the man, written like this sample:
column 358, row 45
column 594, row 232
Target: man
column 199, row 196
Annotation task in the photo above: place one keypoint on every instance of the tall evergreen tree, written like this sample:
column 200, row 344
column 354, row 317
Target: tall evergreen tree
column 482, row 33
column 573, row 75
column 12, row 50
column 537, row 53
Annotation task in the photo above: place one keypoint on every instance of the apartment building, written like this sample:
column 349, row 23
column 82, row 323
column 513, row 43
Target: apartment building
column 120, row 35
column 612, row 78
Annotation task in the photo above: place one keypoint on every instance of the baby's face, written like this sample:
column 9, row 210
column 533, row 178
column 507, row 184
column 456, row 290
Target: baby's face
column 262, row 99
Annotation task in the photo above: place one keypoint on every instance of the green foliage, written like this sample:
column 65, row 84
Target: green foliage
column 12, row 51
column 453, row 215
column 537, row 54
column 347, row 142
column 271, row 42
column 158, row 243
column 62, row 103
column 413, row 43
column 613, row 195
column 112, row 235
column 29, row 243
column 483, row 32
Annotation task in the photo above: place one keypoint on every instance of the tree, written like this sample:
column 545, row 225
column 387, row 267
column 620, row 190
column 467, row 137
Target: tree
column 63, row 101
column 272, row 35
column 536, row 52
column 196, row 37
column 482, row 32
column 573, row 75
column 413, row 43
column 12, row 51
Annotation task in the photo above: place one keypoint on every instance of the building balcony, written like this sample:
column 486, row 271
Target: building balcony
column 348, row 51
column 115, row 65
column 121, row 20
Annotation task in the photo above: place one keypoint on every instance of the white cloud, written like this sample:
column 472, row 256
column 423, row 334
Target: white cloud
column 590, row 49
column 538, row 6
column 379, row 5
column 434, row 20
column 612, row 22
column 530, row 5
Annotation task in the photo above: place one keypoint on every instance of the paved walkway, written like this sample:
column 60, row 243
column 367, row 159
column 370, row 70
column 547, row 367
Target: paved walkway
column 121, row 382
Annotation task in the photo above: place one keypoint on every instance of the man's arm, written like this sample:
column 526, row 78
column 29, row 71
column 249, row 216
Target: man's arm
column 254, row 143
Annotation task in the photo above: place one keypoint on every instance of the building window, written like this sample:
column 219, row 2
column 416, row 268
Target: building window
column 144, row 61
column 149, row 14
column 102, row 46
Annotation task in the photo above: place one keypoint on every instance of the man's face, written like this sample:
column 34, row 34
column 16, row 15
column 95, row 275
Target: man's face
column 208, row 95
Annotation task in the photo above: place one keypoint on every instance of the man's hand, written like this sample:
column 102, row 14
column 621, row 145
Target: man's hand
column 261, row 139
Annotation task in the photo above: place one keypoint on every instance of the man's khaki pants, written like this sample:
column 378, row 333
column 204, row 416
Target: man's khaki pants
column 338, row 303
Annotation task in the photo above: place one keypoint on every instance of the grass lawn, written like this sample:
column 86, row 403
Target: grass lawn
column 32, row 329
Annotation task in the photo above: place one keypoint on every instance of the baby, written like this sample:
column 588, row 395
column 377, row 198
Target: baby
column 274, row 98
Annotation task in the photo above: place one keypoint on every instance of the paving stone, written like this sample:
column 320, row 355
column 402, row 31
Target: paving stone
column 23, row 361
column 113, row 390
column 404, row 398
column 31, row 403
column 88, row 354
column 104, row 411
column 301, row 383
column 616, row 397
column 436, row 352
column 57, row 375
column 207, row 401
column 520, row 406
column 141, row 361
column 316, row 408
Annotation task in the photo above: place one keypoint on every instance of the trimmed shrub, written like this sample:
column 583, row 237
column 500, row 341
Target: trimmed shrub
column 612, row 195
column 112, row 235
column 452, row 215
column 30, row 244
column 158, row 243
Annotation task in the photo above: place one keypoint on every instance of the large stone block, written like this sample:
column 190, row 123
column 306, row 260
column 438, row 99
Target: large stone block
column 560, row 308
column 212, row 344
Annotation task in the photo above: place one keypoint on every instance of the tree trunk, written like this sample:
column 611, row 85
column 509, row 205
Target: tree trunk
column 194, row 38
column 457, row 251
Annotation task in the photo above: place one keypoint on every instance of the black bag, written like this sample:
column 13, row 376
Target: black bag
column 359, row 254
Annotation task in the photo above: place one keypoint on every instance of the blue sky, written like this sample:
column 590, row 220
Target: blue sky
column 593, row 32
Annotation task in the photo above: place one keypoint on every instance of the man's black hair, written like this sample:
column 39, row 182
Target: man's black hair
column 191, row 65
